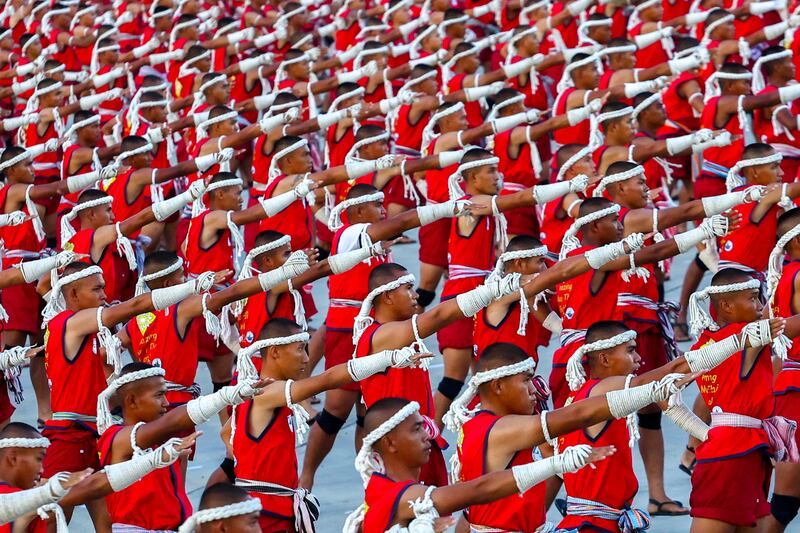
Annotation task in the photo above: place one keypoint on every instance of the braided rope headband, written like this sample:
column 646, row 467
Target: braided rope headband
column 351, row 154
column 452, row 182
column 250, row 505
column 566, row 78
column 360, row 91
column 136, row 151
column 104, row 417
column 712, row 83
column 505, row 103
column 24, row 442
column 714, row 25
column 617, row 178
column 570, row 241
column 576, row 375
column 244, row 362
column 57, row 304
column 699, row 319
column 94, row 119
column 758, row 76
column 247, row 265
column 141, row 285
column 199, row 206
column 203, row 126
column 499, row 266
column 577, row 156
column 335, row 217
column 734, row 179
column 274, row 171
column 367, row 461
column 647, row 102
column 363, row 320
column 67, row 230
column 14, row 160
column 428, row 132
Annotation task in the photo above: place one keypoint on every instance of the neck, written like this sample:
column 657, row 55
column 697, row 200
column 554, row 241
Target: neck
column 400, row 472
column 591, row 241
column 614, row 141
column 648, row 128
column 7, row 476
column 777, row 81
column 491, row 404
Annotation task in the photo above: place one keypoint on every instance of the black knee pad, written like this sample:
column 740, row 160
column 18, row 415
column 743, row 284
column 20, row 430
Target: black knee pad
column 702, row 266
column 650, row 420
column 450, row 388
column 329, row 423
column 218, row 386
column 784, row 508
column 227, row 466
column 425, row 297
column 360, row 421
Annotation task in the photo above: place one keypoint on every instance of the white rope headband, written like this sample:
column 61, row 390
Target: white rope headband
column 360, row 91
column 628, row 48
column 568, row 164
column 453, row 186
column 24, row 442
column 247, row 265
column 518, row 99
column 289, row 14
column 14, row 160
column 699, row 319
column 511, row 47
column 714, row 25
column 94, row 119
column 184, row 70
column 428, row 133
column 335, row 218
column 499, row 266
column 250, row 505
column 178, row 27
column 583, row 28
column 67, row 231
column 712, row 83
column 276, row 108
column 141, row 284
column 352, row 154
column 758, row 83
column 363, row 320
column 199, row 206
column 416, row 43
column 392, row 9
column 367, row 460
column 647, row 102
column 104, row 417
column 202, row 128
column 244, row 362
column 136, row 151
column 570, row 241
column 566, row 78
column 774, row 272
column 226, row 28
column 634, row 19
column 419, row 79
column 447, row 72
column 367, row 53
column 595, row 121
column 78, row 14
column 463, row 19
column 734, row 179
column 274, row 170
column 576, row 375
column 617, row 178
column 281, row 72
column 57, row 303
column 33, row 39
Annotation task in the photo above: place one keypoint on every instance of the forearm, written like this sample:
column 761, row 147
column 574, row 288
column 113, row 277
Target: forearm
column 238, row 291
column 578, row 415
column 656, row 252
column 94, row 487
column 137, row 221
column 122, row 312
column 484, row 489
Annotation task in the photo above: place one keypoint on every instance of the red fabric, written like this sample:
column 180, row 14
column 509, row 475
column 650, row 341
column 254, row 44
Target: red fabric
column 294, row 221
column 338, row 350
column 751, row 243
column 158, row 501
column 486, row 334
column 782, row 301
column 579, row 133
column 679, row 109
column 6, row 407
column 409, row 135
column 24, row 307
column 217, row 257
column 116, row 271
column 433, row 243
column 37, row 525
column 382, row 497
column 726, row 156
column 123, row 206
column 787, row 399
column 457, row 335
column 71, row 449
column 719, row 490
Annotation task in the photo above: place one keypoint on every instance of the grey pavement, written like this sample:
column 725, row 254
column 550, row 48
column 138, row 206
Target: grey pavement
column 338, row 486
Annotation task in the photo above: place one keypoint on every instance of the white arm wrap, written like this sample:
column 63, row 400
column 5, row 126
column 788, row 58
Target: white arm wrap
column 21, row 87
column 789, row 93
column 646, row 39
column 624, row 402
column 123, row 475
column 689, row 239
column 473, row 301
column 775, row 30
column 450, row 157
column 204, row 162
column 390, row 103
column 273, row 206
column 693, row 19
column 409, row 27
column 38, row 149
column 201, row 409
column 146, row 48
column 81, row 181
column 246, row 65
column 268, row 124
column 364, row 367
column 265, row 40
column 166, row 208
column 712, row 355
column 476, row 93
column 578, row 115
column 88, row 102
column 237, row 36
column 168, row 296
column 716, row 205
column 157, row 59
column 155, row 135
column 520, row 67
column 13, row 123
column 294, row 266
column 25, row 70
column 15, row 218
column 577, row 7
column 356, row 169
column 262, row 102
column 676, row 145
column 33, row 270
column 553, row 323
column 104, row 79
column 345, row 261
column 632, row 89
column 685, row 419
column 329, row 119
column 499, row 125
column 18, row 504
column 351, row 77
column 550, row 191
column 349, row 54
column 433, row 212
column 682, row 64
column 597, row 257
column 570, row 460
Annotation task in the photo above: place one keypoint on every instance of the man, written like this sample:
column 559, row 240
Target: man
column 224, row 507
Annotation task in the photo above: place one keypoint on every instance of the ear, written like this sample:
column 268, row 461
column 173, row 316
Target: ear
column 388, row 444
column 273, row 352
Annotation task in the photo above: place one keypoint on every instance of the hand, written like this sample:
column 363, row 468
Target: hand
column 599, row 454
column 33, row 351
column 386, row 246
column 185, row 445
column 312, row 254
column 76, row 477
column 443, row 523
column 418, row 357
column 734, row 220
column 776, row 328
column 222, row 275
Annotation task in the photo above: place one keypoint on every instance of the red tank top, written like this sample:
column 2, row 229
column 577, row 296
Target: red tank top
column 294, row 221
column 486, row 334
column 678, row 108
column 349, row 286
column 381, row 497
column 218, row 256
column 649, row 56
column 636, row 316
column 555, row 223
column 474, row 251
column 751, row 243
column 116, row 271
column 36, row 526
column 612, row 481
column 723, row 387
column 436, row 178
column 338, row 148
column 408, row 134
column 763, row 126
column 158, row 501
column 518, row 512
column 579, row 133
column 535, row 96
column 261, row 162
column 123, row 206
column 726, row 156
column 256, row 314
column 47, row 164
column 76, row 383
column 782, row 301
column 22, row 237
column 156, row 340
column 412, row 384
column 268, row 457
column 472, row 109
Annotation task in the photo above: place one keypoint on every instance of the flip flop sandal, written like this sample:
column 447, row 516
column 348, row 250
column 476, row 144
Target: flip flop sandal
column 561, row 506
column 659, row 505
column 39, row 424
column 683, row 328
column 688, row 469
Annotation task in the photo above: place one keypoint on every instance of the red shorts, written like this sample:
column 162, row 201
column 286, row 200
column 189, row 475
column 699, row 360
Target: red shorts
column 650, row 345
column 458, row 335
column 71, row 450
column 433, row 239
column 338, row 350
column 207, row 348
column 275, row 525
column 24, row 307
column 6, row 407
column 324, row 234
column 395, row 193
column 434, row 472
column 733, row 490
column 787, row 404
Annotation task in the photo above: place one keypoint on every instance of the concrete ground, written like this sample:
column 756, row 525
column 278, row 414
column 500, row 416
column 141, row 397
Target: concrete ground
column 338, row 486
